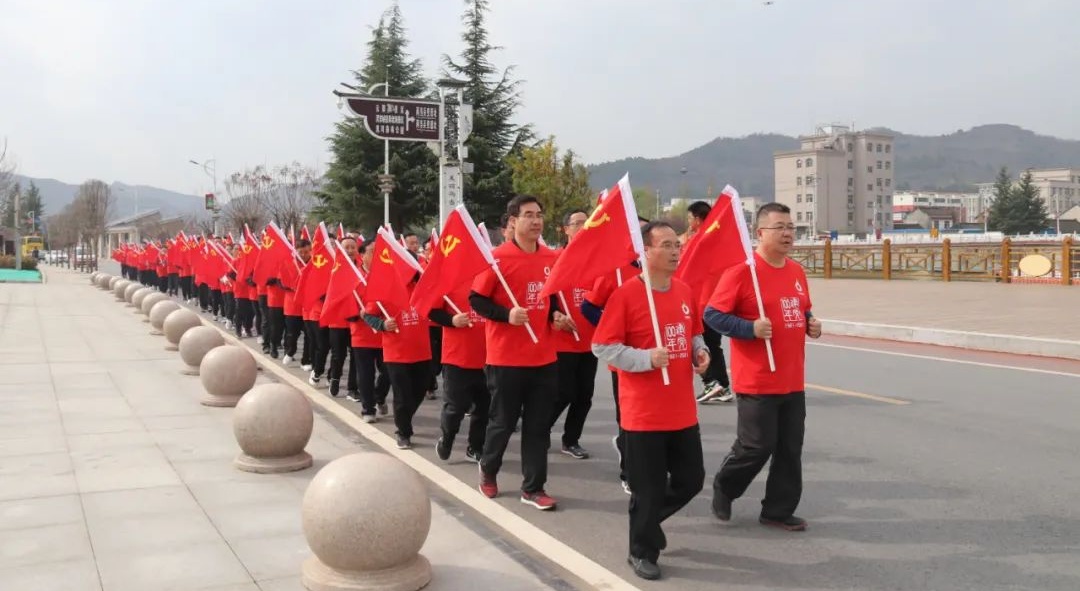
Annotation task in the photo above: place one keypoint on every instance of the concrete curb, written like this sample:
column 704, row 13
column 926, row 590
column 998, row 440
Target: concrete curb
column 980, row 341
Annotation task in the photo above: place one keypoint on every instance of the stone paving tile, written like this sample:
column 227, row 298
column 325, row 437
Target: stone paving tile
column 26, row 513
column 75, row 575
column 44, row 543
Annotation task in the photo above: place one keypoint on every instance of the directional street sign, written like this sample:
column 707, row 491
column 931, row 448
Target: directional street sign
column 396, row 118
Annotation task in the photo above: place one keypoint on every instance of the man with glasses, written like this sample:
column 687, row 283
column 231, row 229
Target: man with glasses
column 521, row 373
column 771, row 404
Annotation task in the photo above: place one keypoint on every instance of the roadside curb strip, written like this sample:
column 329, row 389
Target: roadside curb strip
column 955, row 338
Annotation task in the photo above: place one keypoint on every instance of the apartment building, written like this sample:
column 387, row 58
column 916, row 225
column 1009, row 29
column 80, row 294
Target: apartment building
column 838, row 180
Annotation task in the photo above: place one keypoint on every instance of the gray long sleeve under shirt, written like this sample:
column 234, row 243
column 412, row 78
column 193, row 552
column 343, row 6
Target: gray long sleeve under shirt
column 634, row 360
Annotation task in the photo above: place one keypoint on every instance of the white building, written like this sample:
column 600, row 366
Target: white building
column 969, row 204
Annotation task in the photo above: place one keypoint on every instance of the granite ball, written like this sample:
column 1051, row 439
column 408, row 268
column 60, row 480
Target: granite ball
column 226, row 373
column 195, row 344
column 273, row 423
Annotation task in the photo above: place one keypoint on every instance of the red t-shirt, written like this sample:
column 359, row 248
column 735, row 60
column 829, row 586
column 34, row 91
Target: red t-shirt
column 464, row 347
column 564, row 341
column 787, row 300
column 645, row 403
column 411, row 342
column 292, row 308
column 605, row 285
column 313, row 312
column 525, row 273
column 363, row 336
column 241, row 289
column 275, row 297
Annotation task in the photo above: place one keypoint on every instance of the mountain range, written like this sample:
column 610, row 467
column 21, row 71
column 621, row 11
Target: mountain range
column 57, row 194
column 953, row 162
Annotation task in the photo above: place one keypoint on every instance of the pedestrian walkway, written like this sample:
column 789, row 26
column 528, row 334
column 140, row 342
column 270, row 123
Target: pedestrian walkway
column 1039, row 311
column 114, row 477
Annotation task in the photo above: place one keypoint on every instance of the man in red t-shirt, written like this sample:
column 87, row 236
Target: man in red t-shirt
column 771, row 404
column 576, row 363
column 464, row 353
column 369, row 383
column 522, row 374
column 294, row 314
column 664, row 461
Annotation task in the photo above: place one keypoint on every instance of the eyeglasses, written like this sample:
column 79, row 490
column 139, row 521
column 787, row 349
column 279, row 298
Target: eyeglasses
column 787, row 228
column 531, row 215
column 575, row 224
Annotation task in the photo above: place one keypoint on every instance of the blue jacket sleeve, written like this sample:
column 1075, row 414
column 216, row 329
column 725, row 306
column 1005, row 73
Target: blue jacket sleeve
column 591, row 312
column 729, row 325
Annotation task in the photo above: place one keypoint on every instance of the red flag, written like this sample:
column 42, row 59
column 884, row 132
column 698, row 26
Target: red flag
column 317, row 272
column 723, row 243
column 275, row 251
column 304, row 234
column 340, row 232
column 610, row 239
column 456, row 259
column 345, row 280
column 392, row 269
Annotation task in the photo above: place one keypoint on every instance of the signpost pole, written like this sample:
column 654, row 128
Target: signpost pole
column 386, row 161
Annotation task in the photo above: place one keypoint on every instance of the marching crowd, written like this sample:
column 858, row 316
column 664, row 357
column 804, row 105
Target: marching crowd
column 519, row 355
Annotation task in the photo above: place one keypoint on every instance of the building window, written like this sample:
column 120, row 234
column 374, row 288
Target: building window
column 809, row 180
column 850, row 182
column 879, row 182
column 879, row 147
column 850, row 164
column 879, row 165
column 809, row 216
column 798, row 163
column 888, row 165
column 798, row 181
column 798, row 216
column 869, row 147
column 869, row 187
column 888, row 182
column 809, row 197
column 850, row 218
column 850, row 147
column 870, row 169
column 879, row 199
column 888, row 148
column 809, row 162
column 869, row 223
column 851, row 200
column 870, row 204
column 798, row 198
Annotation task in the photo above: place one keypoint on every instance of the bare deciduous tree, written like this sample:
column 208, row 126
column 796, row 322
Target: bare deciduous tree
column 7, row 169
column 92, row 205
column 257, row 195
column 292, row 196
column 247, row 199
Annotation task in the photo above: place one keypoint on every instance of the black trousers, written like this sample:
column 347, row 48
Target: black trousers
column 294, row 325
column 526, row 393
column 667, row 470
column 768, row 426
column 204, row 297
column 187, row 288
column 228, row 305
column 174, row 283
column 277, row 327
column 435, row 336
column 340, row 347
column 620, row 436
column 463, row 389
column 320, row 337
column 717, row 366
column 371, row 379
column 245, row 315
column 577, row 381
column 262, row 318
column 409, row 381
column 217, row 301
column 163, row 283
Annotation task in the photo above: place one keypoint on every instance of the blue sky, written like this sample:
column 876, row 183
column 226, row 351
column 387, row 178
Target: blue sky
column 131, row 90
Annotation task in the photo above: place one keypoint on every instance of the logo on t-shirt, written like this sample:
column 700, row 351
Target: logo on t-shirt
column 579, row 296
column 792, row 309
column 410, row 318
column 798, row 286
column 675, row 340
column 533, row 301
column 685, row 309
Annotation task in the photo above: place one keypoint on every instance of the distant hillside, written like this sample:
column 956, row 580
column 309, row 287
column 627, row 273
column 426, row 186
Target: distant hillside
column 948, row 162
column 56, row 194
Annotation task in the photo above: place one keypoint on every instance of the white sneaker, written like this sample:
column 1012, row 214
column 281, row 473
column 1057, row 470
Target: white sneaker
column 314, row 381
column 258, row 339
column 286, row 360
column 712, row 391
column 626, row 487
column 306, row 367
column 727, row 396
column 369, row 419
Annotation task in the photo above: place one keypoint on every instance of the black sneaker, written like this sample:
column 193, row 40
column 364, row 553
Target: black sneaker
column 576, row 452
column 353, row 395
column 644, row 568
column 335, row 387
column 789, row 523
column 473, row 455
column 274, row 353
column 442, row 448
column 403, row 442
column 721, row 506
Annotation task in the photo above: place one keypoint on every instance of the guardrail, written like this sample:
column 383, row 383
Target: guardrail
column 942, row 261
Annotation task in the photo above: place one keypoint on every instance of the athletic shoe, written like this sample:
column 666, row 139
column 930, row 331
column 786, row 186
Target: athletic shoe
column 353, row 396
column 369, row 419
column 538, row 499
column 472, row 455
column 335, row 387
column 644, row 568
column 721, row 506
column 383, row 410
column 488, row 486
column 258, row 339
column 626, row 487
column 727, row 396
column 575, row 451
column 306, row 367
column 790, row 523
column 286, row 360
column 403, row 442
column 314, row 380
column 442, row 449
column 274, row 353
column 712, row 389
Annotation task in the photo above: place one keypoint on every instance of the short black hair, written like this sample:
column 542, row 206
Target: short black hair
column 570, row 214
column 410, row 235
column 513, row 209
column 503, row 220
column 646, row 232
column 699, row 209
column 301, row 243
column 768, row 208
column 363, row 247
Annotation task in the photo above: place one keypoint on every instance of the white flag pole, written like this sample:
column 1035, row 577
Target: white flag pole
column 452, row 305
column 744, row 236
column 566, row 308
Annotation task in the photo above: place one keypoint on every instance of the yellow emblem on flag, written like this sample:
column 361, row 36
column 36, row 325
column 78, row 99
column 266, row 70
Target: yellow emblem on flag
column 713, row 226
column 384, row 256
column 319, row 261
column 267, row 241
column 449, row 243
column 594, row 221
column 247, row 248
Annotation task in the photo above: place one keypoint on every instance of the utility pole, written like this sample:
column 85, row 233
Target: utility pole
column 18, row 237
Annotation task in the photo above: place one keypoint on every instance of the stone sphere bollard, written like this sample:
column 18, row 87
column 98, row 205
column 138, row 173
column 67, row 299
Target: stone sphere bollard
column 176, row 324
column 103, row 281
column 129, row 291
column 272, row 424
column 94, row 277
column 149, row 301
column 113, row 281
column 226, row 373
column 159, row 313
column 195, row 344
column 140, row 295
column 365, row 517
column 119, row 288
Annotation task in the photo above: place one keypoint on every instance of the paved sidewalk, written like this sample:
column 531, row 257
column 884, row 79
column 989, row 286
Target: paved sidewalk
column 114, row 477
column 1039, row 311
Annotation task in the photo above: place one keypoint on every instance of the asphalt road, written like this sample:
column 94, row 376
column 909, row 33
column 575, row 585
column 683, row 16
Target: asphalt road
column 924, row 468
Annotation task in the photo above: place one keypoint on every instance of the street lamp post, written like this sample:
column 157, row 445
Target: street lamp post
column 210, row 168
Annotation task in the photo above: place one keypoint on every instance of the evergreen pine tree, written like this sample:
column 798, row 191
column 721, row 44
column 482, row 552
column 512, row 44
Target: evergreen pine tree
column 32, row 203
column 495, row 98
column 1030, row 207
column 351, row 194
